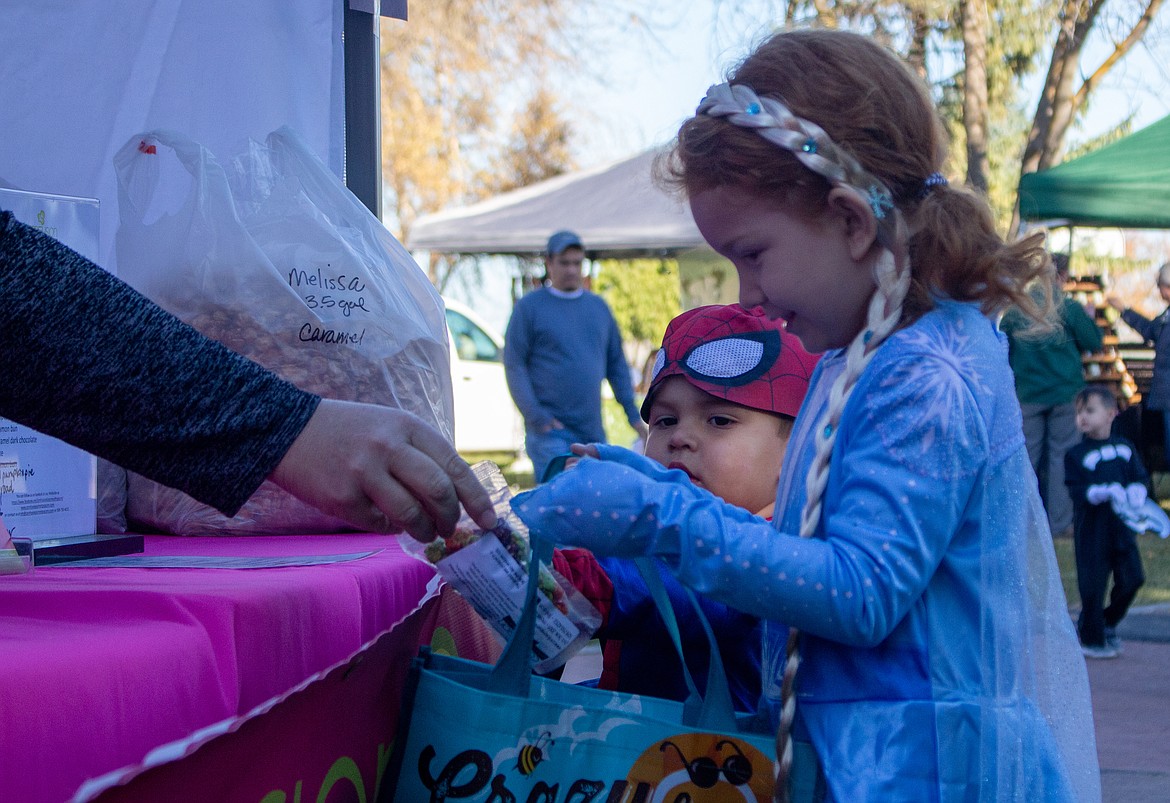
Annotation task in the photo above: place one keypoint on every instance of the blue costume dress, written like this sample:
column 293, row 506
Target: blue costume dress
column 939, row 662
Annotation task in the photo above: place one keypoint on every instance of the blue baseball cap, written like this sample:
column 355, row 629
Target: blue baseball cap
column 561, row 240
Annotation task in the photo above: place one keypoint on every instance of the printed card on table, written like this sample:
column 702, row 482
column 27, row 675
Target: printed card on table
column 48, row 489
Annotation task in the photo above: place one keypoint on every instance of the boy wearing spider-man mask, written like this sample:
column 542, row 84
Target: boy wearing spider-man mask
column 725, row 389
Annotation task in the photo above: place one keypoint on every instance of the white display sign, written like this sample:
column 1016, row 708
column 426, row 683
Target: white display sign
column 48, row 489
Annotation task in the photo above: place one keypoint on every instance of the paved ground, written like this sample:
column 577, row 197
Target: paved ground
column 1131, row 710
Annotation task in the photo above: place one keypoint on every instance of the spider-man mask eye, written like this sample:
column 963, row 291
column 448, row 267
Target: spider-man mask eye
column 735, row 354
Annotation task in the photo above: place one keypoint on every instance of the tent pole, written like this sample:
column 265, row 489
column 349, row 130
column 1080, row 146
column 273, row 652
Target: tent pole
column 363, row 128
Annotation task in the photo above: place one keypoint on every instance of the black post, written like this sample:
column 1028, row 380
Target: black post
column 363, row 130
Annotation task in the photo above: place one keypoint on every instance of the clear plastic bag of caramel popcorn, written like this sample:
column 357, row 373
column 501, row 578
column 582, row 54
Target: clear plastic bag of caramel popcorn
column 271, row 255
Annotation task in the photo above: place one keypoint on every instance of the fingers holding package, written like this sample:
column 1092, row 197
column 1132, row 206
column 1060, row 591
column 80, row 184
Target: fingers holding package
column 381, row 470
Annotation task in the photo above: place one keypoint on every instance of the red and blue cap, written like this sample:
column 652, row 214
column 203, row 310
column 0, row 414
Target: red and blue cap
column 734, row 354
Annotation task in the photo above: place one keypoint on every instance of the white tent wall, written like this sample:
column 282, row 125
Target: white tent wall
column 617, row 209
column 79, row 78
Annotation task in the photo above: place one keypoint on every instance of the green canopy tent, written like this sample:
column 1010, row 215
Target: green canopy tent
column 1124, row 185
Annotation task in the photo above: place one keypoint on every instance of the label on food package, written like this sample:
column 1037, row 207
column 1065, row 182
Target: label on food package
column 488, row 577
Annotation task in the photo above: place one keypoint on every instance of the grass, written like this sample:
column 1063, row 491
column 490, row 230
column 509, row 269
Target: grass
column 1155, row 558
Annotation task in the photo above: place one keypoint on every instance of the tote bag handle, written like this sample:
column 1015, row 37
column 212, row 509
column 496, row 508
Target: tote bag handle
column 713, row 709
column 512, row 673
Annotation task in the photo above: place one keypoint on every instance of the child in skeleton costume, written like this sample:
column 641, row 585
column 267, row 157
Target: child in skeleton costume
column 726, row 387
column 1108, row 486
column 932, row 657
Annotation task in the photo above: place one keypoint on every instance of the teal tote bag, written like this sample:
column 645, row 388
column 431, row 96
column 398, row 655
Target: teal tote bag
column 473, row 732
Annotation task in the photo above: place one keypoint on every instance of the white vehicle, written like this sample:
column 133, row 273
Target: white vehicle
column 486, row 419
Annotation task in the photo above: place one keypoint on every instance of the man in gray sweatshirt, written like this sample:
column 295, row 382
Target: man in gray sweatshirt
column 561, row 342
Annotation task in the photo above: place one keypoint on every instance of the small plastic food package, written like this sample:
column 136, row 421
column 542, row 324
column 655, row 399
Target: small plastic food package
column 16, row 554
column 489, row 568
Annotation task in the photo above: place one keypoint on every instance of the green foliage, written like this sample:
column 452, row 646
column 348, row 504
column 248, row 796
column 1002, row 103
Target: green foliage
column 644, row 296
column 538, row 147
column 1118, row 132
column 617, row 429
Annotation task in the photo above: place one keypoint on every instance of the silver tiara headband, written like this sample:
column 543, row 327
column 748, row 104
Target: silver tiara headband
column 808, row 142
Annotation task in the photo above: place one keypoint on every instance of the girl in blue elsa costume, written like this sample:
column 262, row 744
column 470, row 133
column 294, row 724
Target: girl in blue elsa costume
column 932, row 656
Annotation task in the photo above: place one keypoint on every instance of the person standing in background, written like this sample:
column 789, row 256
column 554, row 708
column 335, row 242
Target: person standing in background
column 1155, row 332
column 1105, row 479
column 561, row 342
column 1049, row 374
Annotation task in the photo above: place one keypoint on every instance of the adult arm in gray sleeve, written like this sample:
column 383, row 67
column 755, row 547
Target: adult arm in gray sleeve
column 89, row 360
column 517, row 345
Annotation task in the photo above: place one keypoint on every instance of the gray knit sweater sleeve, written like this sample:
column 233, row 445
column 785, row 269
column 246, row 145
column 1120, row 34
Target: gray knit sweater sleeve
column 89, row 360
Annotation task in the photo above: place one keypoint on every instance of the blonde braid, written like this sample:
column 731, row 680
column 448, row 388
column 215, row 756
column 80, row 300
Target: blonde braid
column 811, row 145
column 885, row 311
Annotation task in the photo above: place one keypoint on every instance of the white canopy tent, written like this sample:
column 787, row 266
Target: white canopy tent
column 617, row 209
column 78, row 79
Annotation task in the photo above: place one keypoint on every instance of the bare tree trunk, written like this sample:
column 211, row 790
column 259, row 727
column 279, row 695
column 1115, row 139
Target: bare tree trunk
column 1061, row 99
column 1055, row 112
column 973, row 14
column 919, row 30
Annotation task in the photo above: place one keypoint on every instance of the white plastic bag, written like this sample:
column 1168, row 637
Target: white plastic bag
column 275, row 258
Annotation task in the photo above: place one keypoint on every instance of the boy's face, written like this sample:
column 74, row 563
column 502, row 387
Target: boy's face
column 1095, row 418
column 733, row 451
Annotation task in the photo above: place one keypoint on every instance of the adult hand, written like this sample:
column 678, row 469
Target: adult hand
column 1116, row 303
column 381, row 470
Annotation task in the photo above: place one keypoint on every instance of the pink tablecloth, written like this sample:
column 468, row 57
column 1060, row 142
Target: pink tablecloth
column 100, row 665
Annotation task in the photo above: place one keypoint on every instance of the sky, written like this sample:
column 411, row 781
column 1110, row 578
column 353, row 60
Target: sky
column 653, row 84
column 649, row 84
column 652, row 81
